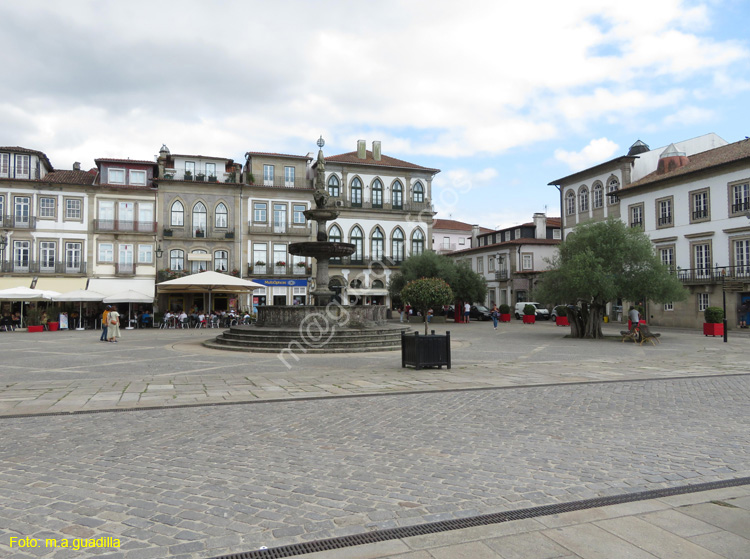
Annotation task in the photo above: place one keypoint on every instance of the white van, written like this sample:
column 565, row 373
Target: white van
column 541, row 312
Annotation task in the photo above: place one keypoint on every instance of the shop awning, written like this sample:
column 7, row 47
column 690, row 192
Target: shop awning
column 62, row 285
column 113, row 286
column 8, row 283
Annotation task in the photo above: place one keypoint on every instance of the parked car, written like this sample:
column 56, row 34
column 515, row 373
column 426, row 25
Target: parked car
column 541, row 312
column 477, row 312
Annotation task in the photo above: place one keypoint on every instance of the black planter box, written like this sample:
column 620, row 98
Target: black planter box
column 426, row 351
column 167, row 232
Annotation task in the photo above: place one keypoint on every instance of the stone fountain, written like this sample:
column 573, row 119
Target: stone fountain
column 325, row 326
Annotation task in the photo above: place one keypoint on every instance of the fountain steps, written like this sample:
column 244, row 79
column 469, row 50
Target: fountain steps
column 262, row 340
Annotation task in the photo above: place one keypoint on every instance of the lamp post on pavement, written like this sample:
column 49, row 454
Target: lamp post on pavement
column 724, row 299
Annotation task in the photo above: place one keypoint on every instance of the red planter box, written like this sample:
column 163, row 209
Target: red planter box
column 529, row 319
column 53, row 326
column 36, row 328
column 710, row 329
column 505, row 317
column 562, row 321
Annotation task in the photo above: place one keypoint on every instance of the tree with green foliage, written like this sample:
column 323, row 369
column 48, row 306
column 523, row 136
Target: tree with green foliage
column 466, row 284
column 602, row 261
column 425, row 293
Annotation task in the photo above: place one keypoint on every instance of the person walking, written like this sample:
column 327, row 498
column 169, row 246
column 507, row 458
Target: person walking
column 105, row 323
column 495, row 313
column 467, row 313
column 113, row 329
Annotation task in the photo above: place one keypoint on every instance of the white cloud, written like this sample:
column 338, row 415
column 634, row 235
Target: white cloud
column 596, row 151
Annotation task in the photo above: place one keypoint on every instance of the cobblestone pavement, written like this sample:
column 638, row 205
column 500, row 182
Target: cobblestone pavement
column 201, row 482
column 71, row 371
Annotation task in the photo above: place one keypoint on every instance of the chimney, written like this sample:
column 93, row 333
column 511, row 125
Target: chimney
column 361, row 149
column 376, row 150
column 474, row 236
column 540, row 224
column 76, row 166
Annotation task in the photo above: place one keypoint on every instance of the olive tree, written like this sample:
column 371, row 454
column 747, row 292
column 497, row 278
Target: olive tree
column 599, row 262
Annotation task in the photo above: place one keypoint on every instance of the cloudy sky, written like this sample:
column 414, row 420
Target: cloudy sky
column 502, row 96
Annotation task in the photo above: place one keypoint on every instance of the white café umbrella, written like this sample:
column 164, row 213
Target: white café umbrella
column 26, row 294
column 207, row 282
column 79, row 295
column 129, row 297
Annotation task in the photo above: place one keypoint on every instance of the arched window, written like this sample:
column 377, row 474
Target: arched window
column 417, row 242
column 356, row 193
column 377, row 194
column 334, row 236
column 570, row 203
column 377, row 244
column 398, row 196
column 357, row 239
column 598, row 195
column 377, row 284
column 397, row 246
column 199, row 220
column 199, row 264
column 333, row 186
column 584, row 199
column 221, row 260
column 418, row 193
column 177, row 214
column 613, row 186
column 221, row 216
column 176, row 260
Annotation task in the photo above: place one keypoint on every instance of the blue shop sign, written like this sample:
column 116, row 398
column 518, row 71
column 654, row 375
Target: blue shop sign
column 282, row 282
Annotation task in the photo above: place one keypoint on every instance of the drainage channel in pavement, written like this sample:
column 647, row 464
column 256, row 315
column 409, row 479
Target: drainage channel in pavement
column 474, row 521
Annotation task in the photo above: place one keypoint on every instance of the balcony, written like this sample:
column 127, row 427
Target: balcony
column 446, row 248
column 713, row 275
column 285, row 269
column 281, row 182
column 501, row 275
column 124, row 226
column 124, row 269
column 366, row 205
column 700, row 214
column 209, row 234
column 667, row 220
column 199, row 175
column 636, row 223
column 18, row 222
column 294, row 229
column 742, row 207
column 36, row 267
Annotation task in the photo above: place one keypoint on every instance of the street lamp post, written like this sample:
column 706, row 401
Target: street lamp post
column 724, row 299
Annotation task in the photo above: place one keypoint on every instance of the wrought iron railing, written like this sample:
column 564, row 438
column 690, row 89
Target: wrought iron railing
column 125, row 226
column 40, row 267
column 715, row 274
column 19, row 222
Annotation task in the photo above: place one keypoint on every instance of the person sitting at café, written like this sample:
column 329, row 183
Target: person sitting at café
column 201, row 319
column 183, row 319
column 146, row 319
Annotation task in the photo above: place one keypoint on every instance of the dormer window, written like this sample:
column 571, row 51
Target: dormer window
column 4, row 164
column 22, row 166
column 138, row 178
column 116, row 176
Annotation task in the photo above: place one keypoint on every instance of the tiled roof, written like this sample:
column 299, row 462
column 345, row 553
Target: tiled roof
column 71, row 177
column 385, row 161
column 130, row 161
column 522, row 241
column 16, row 149
column 305, row 157
column 451, row 224
column 699, row 162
